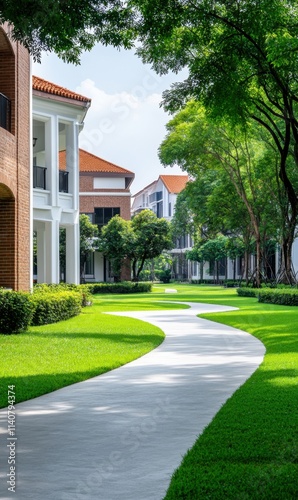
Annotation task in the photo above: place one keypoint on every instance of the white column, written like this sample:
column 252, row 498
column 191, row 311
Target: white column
column 52, row 252
column 72, row 254
column 51, row 159
column 41, row 252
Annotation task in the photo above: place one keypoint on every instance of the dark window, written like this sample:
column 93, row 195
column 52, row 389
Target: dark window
column 5, row 112
column 63, row 181
column 159, row 209
column 89, row 269
column 104, row 215
column 170, row 210
column 39, row 177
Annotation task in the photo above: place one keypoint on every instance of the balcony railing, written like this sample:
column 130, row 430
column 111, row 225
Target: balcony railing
column 63, row 181
column 39, row 177
column 5, row 112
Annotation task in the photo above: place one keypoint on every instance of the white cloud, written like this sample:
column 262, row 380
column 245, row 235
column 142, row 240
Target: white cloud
column 126, row 128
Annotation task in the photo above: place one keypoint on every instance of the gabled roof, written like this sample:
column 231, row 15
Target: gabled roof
column 42, row 85
column 145, row 188
column 91, row 163
column 174, row 183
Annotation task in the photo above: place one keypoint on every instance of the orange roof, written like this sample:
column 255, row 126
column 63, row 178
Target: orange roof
column 92, row 163
column 51, row 88
column 174, row 183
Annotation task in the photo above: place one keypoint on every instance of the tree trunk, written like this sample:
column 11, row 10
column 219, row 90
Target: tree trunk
column 285, row 273
column 258, row 270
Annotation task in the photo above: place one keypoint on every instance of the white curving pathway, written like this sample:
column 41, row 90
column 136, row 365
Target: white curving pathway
column 121, row 435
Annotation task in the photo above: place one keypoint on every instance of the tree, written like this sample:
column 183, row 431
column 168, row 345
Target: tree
column 203, row 146
column 139, row 240
column 115, row 242
column 242, row 64
column 151, row 236
column 68, row 27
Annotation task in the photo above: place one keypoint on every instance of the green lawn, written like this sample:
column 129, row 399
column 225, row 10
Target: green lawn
column 250, row 449
column 46, row 358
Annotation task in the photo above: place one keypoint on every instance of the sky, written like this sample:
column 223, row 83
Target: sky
column 125, row 123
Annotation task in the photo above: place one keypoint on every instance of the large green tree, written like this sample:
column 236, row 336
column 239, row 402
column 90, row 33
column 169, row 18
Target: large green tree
column 242, row 64
column 138, row 241
column 202, row 146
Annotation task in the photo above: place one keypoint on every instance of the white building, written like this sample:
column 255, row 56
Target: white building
column 58, row 116
column 160, row 196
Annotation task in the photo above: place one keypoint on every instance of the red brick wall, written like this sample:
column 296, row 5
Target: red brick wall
column 15, row 168
column 89, row 203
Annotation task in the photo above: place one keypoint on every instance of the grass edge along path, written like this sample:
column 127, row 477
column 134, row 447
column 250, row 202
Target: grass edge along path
column 49, row 357
column 250, row 449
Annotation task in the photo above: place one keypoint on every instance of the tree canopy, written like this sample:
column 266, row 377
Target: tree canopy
column 228, row 164
column 68, row 27
column 141, row 239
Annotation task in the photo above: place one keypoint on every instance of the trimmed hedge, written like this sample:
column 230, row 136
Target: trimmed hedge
column 122, row 287
column 247, row 292
column 83, row 290
column 56, row 306
column 15, row 311
column 279, row 296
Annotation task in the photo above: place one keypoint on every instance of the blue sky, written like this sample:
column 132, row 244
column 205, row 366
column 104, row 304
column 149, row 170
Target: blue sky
column 125, row 124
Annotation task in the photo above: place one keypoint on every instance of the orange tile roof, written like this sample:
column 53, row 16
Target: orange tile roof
column 92, row 163
column 174, row 183
column 51, row 88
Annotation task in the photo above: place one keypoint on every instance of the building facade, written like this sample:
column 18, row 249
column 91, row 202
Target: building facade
column 160, row 196
column 104, row 193
column 15, row 180
column 58, row 118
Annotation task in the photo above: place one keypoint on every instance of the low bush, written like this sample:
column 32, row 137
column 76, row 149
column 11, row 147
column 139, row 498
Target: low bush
column 279, row 296
column 123, row 287
column 15, row 311
column 83, row 290
column 56, row 306
column 165, row 276
column 247, row 292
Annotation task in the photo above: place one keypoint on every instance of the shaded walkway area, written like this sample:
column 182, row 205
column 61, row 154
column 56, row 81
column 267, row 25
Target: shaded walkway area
column 121, row 435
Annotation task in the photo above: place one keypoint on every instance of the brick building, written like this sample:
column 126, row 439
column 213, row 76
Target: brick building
column 104, row 192
column 15, row 91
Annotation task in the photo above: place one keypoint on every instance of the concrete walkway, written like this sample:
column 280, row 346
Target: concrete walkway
column 120, row 436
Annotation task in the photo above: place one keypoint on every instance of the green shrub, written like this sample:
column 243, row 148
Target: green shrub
column 279, row 296
column 56, row 306
column 247, row 292
column 122, row 287
column 86, row 297
column 15, row 311
column 165, row 276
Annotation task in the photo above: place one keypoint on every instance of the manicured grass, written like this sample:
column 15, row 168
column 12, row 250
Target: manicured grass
column 250, row 449
column 49, row 357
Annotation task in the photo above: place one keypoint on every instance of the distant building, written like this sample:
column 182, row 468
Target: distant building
column 160, row 196
column 104, row 192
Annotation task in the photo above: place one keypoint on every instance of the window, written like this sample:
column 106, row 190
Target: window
column 89, row 268
column 104, row 215
column 159, row 209
column 5, row 113
column 170, row 209
column 39, row 177
column 63, row 181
